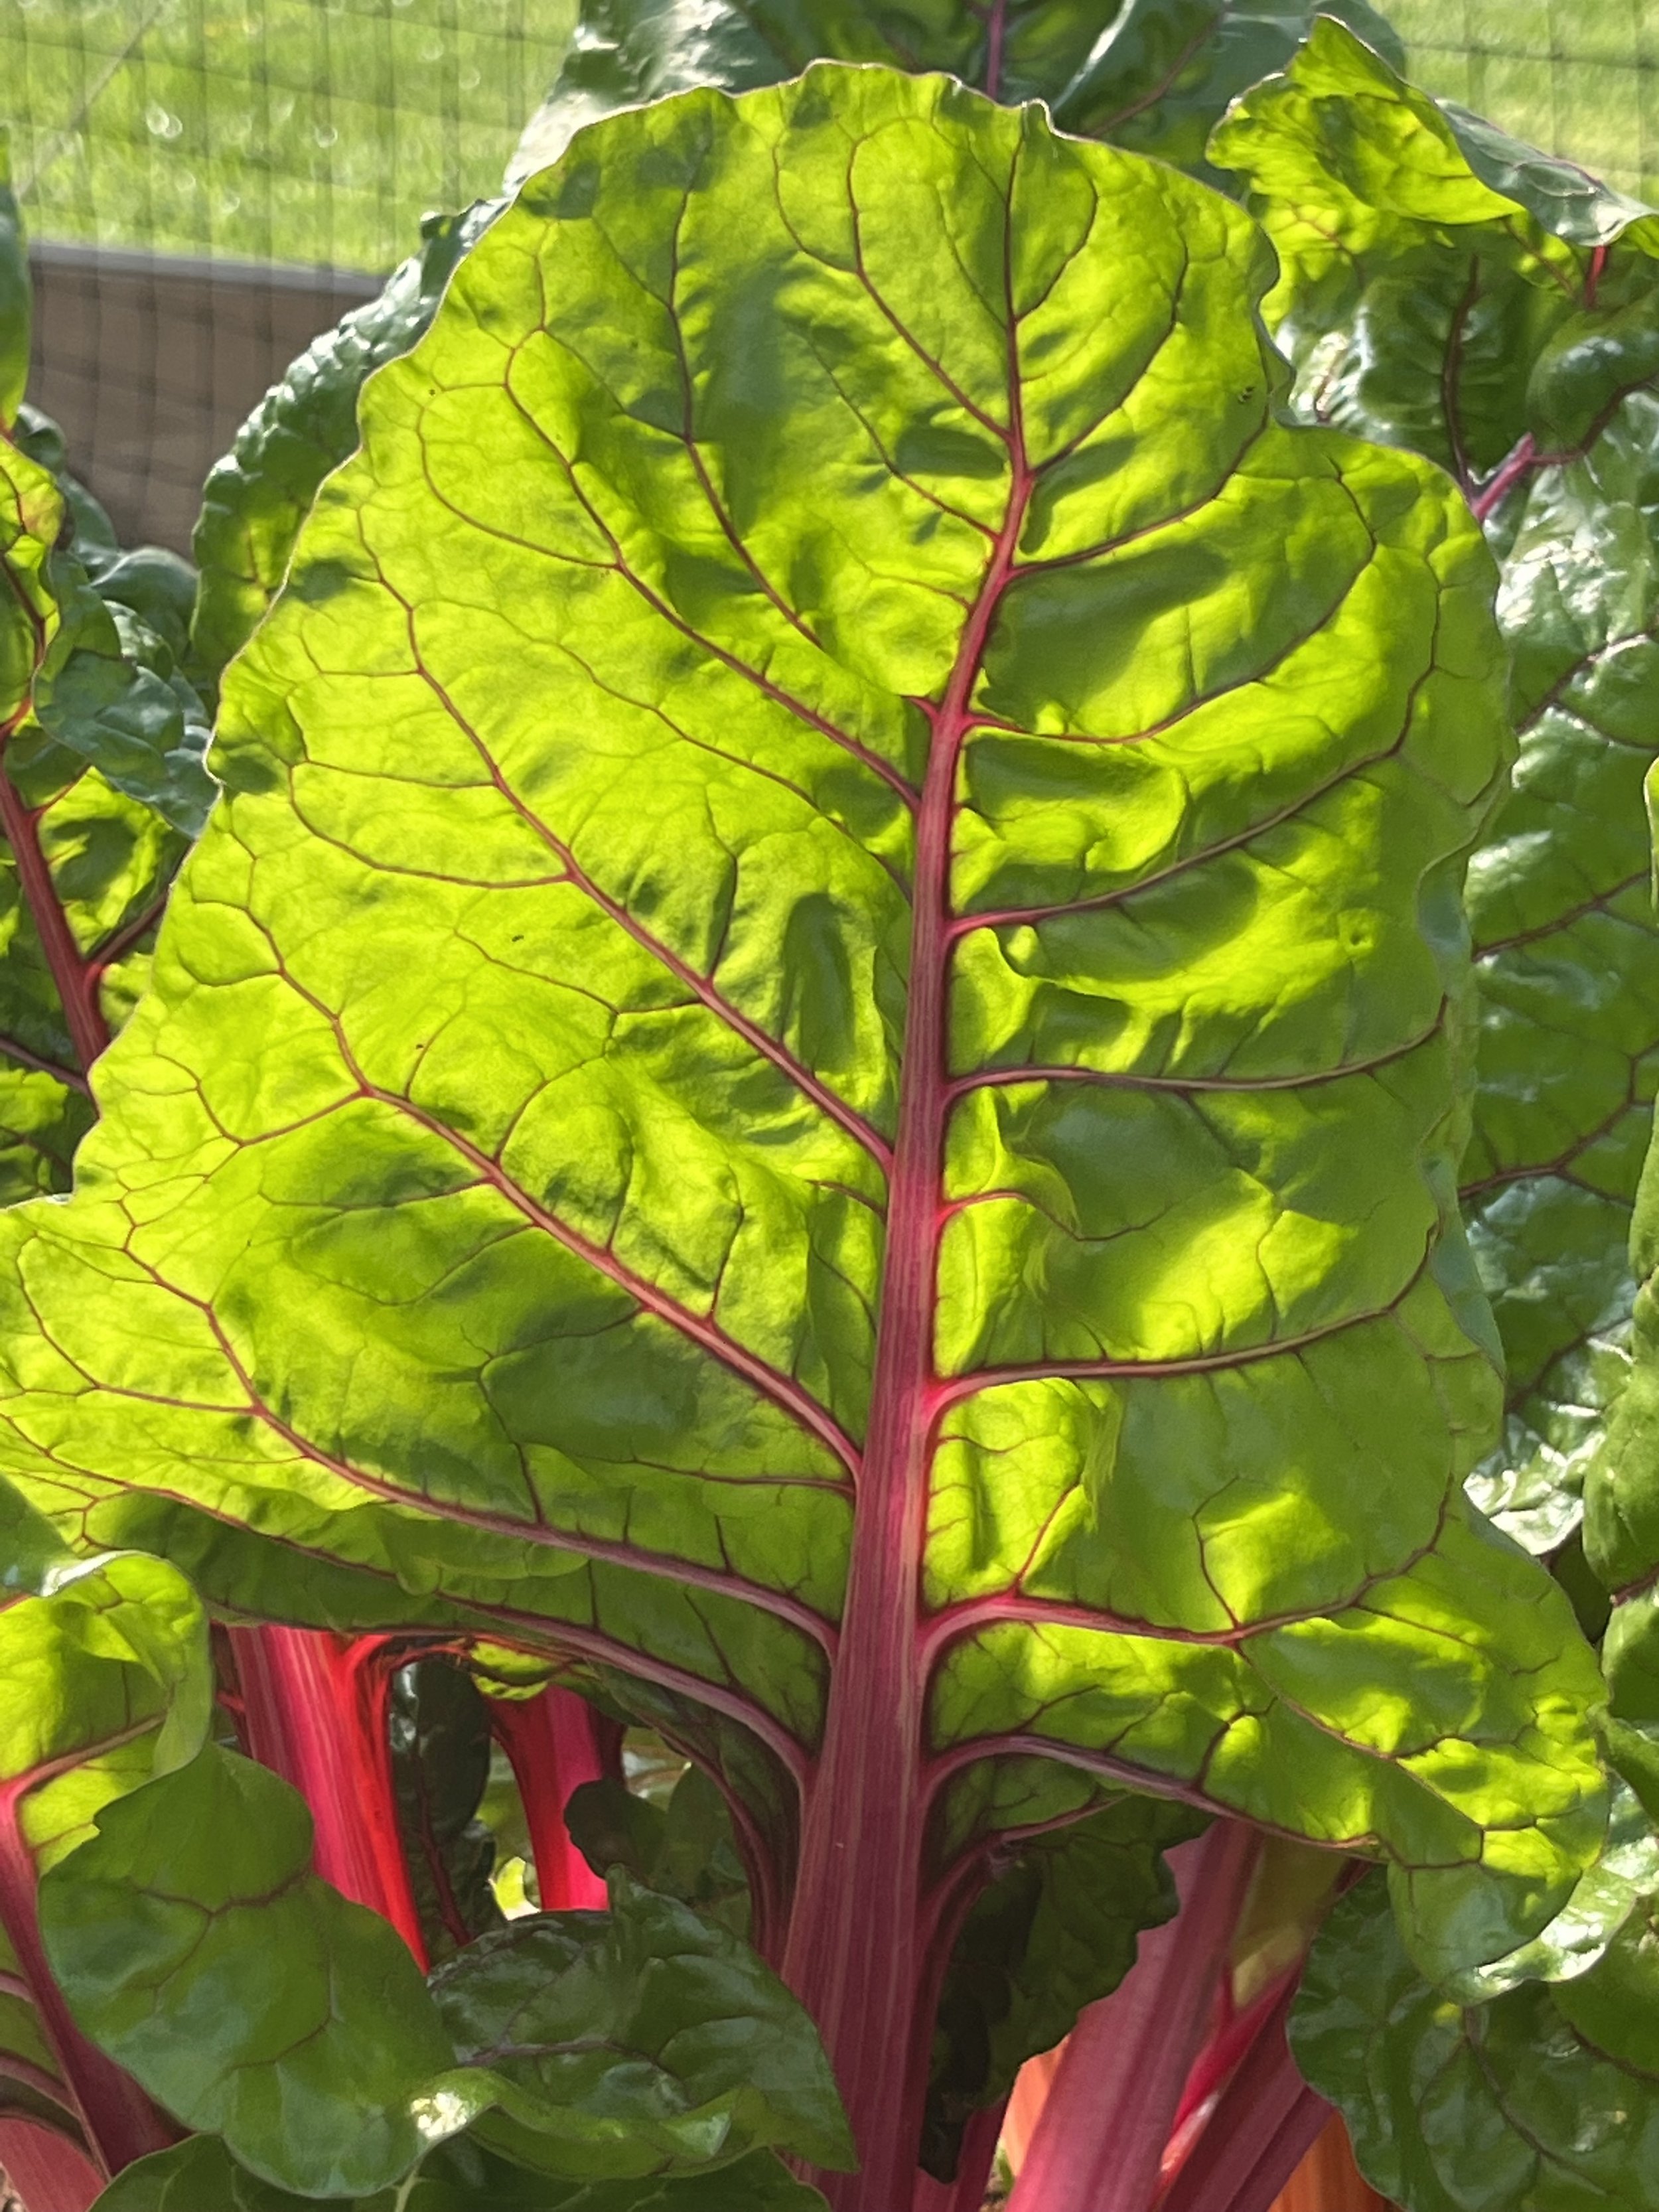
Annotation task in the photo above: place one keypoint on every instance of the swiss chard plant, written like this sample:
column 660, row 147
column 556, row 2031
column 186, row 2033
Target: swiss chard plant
column 809, row 1094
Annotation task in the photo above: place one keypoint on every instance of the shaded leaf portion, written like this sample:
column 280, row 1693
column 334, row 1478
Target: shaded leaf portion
column 248, row 1997
column 441, row 1737
column 200, row 2176
column 639, row 2041
column 256, row 498
column 1153, row 74
column 1050, row 1934
column 683, row 1848
column 1449, row 291
column 1546, row 2097
column 778, row 475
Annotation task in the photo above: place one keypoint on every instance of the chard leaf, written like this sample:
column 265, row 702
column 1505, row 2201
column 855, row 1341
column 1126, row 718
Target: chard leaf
column 440, row 1747
column 107, row 1681
column 1545, row 2097
column 1153, row 74
column 638, row 2041
column 248, row 1997
column 1450, row 291
column 683, row 1848
column 1053, row 1932
column 201, row 2176
column 565, row 1043
column 256, row 498
column 101, row 788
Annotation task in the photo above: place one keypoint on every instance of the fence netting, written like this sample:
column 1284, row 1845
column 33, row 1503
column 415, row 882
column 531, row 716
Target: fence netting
column 209, row 183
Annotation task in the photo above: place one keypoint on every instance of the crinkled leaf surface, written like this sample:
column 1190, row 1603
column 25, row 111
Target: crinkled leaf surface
column 101, row 789
column 256, row 498
column 1450, row 291
column 1154, row 75
column 638, row 2041
column 200, row 2176
column 247, row 1996
column 1547, row 2097
column 831, row 756
column 1053, row 1933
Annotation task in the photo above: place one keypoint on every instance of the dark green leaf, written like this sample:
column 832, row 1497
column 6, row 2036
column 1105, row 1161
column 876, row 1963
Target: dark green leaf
column 1052, row 1933
column 247, row 1996
column 200, row 2176
column 257, row 497
column 440, row 1754
column 1154, row 75
column 1545, row 2098
column 639, row 2041
column 683, row 1848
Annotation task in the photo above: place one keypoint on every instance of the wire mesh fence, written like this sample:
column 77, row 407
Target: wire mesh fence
column 211, row 182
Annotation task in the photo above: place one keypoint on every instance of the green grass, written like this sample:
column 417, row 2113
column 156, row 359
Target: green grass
column 301, row 131
column 1579, row 77
column 321, row 130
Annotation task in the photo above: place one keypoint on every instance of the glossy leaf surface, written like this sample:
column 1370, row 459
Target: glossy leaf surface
column 1545, row 2098
column 256, row 498
column 683, row 1848
column 247, row 1996
column 638, row 2041
column 1153, row 74
column 830, row 760
column 1452, row 292
column 200, row 2176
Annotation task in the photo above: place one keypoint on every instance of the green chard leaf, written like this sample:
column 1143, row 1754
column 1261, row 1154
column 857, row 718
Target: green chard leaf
column 1151, row 75
column 683, row 1848
column 256, row 498
column 1446, row 290
column 639, row 2041
column 440, row 1752
column 107, row 1681
column 102, row 787
column 201, row 2176
column 1546, row 2097
column 497, row 1190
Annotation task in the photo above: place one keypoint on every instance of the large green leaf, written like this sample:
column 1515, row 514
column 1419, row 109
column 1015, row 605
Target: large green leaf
column 200, row 2176
column 1546, row 2097
column 1153, row 74
column 101, row 789
column 256, row 498
column 1450, row 291
column 254, row 2001
column 490, row 1199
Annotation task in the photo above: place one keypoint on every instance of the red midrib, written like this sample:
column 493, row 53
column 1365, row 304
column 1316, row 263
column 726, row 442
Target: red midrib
column 852, row 1954
column 75, row 978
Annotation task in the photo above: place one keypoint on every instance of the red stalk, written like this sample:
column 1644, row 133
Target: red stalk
column 1261, row 2127
column 48, row 2173
column 854, row 1955
column 118, row 2120
column 1099, row 2144
column 554, row 1743
column 314, row 1711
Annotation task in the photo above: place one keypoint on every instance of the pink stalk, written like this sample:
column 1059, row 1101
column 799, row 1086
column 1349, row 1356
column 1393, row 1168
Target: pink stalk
column 1262, row 2125
column 48, row 2173
column 554, row 1743
column 979, row 2155
column 314, row 1711
column 1099, row 2144
column 1225, row 2049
